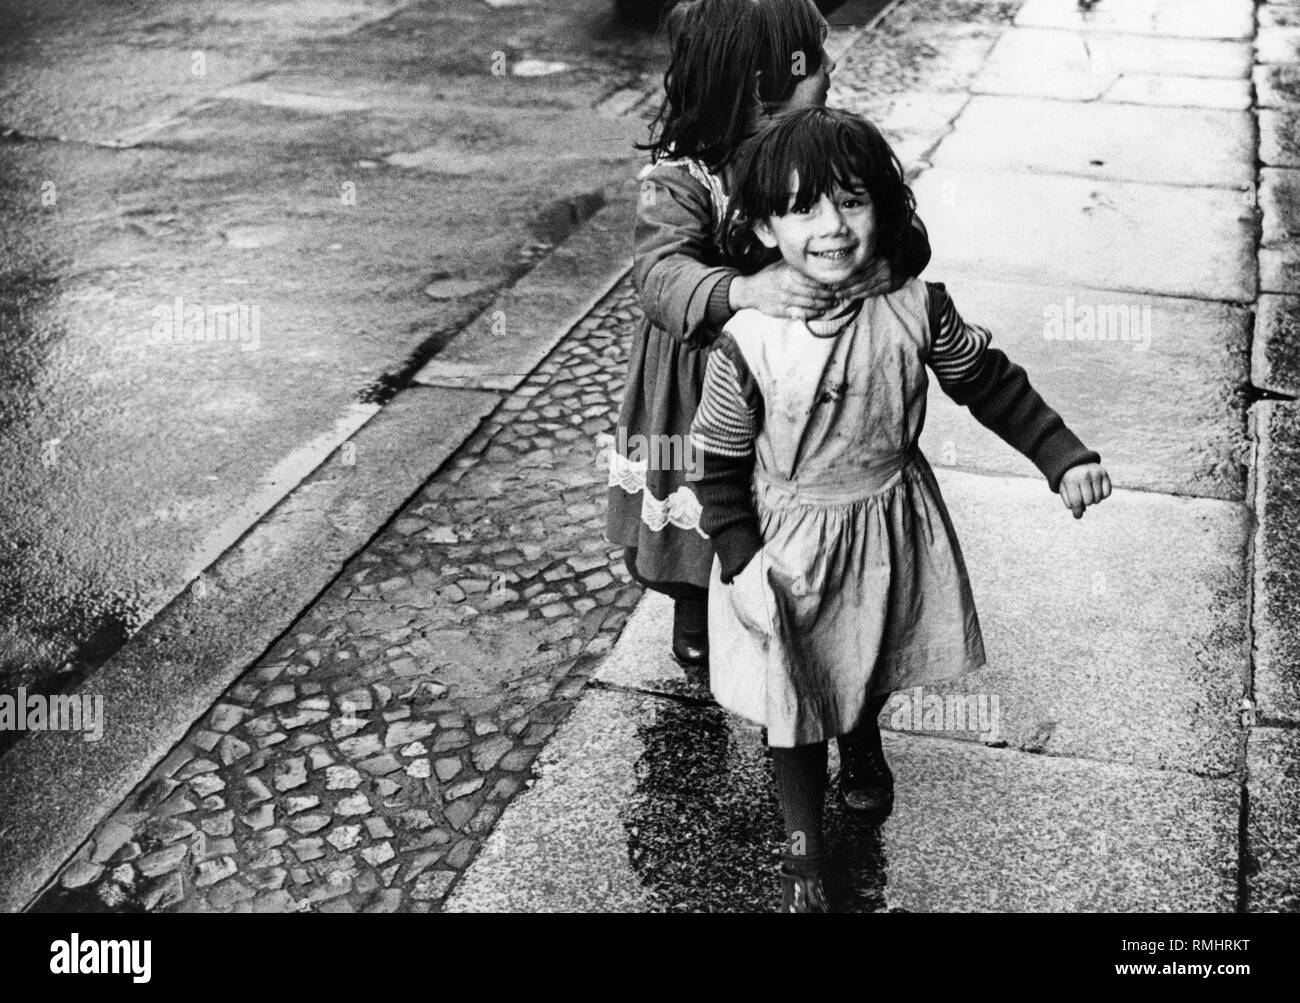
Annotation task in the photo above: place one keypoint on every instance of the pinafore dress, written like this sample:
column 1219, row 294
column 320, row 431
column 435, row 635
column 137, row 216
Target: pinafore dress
column 860, row 586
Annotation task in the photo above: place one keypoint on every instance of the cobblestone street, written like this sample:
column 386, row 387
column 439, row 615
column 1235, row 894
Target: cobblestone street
column 359, row 766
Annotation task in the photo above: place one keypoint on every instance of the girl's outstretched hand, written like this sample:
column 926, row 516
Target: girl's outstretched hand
column 1084, row 485
column 780, row 291
column 875, row 279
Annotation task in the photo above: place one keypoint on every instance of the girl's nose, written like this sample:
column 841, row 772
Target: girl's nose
column 829, row 62
column 829, row 217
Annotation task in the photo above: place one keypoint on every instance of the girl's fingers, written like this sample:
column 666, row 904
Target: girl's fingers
column 813, row 304
column 797, row 280
column 1105, row 484
column 872, row 287
column 805, row 303
column 871, row 281
column 813, row 291
column 1086, row 493
column 1070, row 496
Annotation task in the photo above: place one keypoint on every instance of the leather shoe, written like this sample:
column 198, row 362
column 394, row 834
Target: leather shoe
column 866, row 784
column 691, row 632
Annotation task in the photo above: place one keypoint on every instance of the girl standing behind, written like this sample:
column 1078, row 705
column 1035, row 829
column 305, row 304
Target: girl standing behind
column 733, row 63
column 838, row 574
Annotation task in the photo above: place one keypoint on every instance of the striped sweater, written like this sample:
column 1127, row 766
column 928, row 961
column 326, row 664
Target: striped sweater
column 996, row 390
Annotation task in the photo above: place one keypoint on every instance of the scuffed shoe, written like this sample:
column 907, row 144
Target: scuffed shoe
column 866, row 783
column 802, row 893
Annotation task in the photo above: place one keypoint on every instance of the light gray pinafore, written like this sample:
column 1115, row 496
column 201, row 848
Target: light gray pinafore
column 860, row 585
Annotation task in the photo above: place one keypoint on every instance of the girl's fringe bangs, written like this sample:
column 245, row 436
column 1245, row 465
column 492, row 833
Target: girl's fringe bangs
column 824, row 151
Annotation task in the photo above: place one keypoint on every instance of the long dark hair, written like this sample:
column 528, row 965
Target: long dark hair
column 826, row 148
column 723, row 51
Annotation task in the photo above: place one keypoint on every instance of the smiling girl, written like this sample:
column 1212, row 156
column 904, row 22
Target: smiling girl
column 838, row 576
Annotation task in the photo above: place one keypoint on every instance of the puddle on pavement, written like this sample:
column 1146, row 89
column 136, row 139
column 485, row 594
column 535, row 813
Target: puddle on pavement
column 703, row 826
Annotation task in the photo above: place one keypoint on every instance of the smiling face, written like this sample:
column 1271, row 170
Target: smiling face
column 827, row 241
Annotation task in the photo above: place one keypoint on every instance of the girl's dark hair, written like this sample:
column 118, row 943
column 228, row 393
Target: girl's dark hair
column 722, row 52
column 826, row 148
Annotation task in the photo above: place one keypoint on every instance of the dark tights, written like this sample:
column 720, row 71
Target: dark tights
column 801, row 786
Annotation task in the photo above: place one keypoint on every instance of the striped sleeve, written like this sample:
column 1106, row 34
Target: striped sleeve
column 998, row 392
column 956, row 348
column 725, row 422
column 724, row 429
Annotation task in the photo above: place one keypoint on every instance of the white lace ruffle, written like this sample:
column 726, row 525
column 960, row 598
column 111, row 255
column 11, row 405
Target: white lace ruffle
column 681, row 508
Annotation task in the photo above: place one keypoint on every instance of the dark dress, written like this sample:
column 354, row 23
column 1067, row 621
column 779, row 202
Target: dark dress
column 679, row 265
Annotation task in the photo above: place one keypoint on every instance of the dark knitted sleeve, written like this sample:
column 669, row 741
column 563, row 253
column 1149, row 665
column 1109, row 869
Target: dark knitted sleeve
column 680, row 291
column 998, row 392
column 723, row 432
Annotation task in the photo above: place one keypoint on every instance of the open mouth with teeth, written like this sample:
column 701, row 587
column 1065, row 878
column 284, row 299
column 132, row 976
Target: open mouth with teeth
column 836, row 255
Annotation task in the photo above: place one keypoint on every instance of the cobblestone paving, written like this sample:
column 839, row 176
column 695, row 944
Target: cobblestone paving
column 361, row 763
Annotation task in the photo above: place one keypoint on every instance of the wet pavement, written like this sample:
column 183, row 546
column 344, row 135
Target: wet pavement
column 463, row 722
column 651, row 799
column 357, row 176
column 361, row 763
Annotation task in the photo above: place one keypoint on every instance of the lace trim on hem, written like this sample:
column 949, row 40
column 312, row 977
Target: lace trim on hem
column 681, row 508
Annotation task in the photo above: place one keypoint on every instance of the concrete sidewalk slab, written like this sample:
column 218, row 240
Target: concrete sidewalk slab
column 1278, row 44
column 651, row 804
column 1279, row 255
column 1275, row 357
column 984, row 830
column 1279, row 137
column 528, row 319
column 1277, row 86
column 642, row 659
column 56, row 787
column 1190, row 242
column 1155, row 394
column 1179, row 18
column 1277, row 561
column 1051, row 63
column 1122, row 636
column 1273, row 827
column 1186, row 92
column 1176, row 146
column 914, row 123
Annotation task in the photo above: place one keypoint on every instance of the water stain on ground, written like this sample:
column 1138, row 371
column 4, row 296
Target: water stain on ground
column 703, row 826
